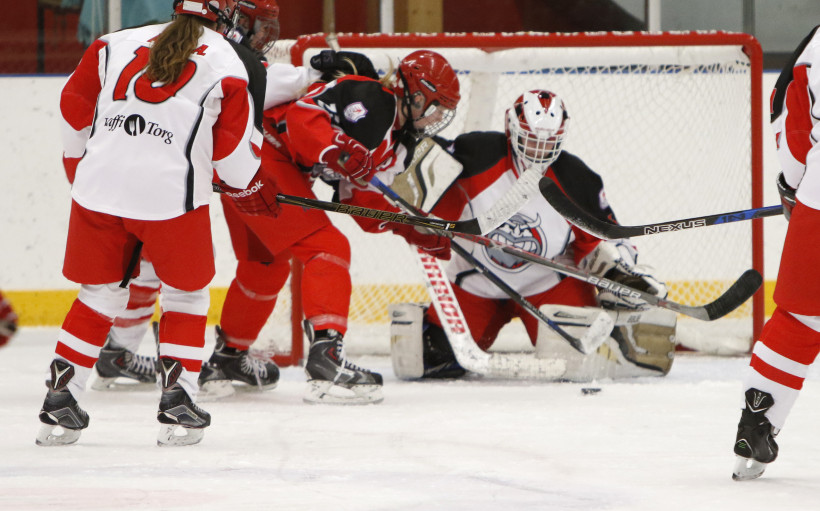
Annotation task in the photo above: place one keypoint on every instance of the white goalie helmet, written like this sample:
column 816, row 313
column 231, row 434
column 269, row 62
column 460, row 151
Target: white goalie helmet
column 536, row 126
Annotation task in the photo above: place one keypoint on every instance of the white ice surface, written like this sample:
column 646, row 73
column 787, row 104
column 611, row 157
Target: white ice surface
column 647, row 444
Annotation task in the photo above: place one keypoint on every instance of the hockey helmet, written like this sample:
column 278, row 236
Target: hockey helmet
column 536, row 126
column 211, row 10
column 429, row 91
column 254, row 23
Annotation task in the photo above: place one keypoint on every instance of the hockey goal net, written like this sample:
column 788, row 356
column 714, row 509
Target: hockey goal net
column 671, row 121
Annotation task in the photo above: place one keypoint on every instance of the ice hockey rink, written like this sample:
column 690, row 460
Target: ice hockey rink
column 643, row 444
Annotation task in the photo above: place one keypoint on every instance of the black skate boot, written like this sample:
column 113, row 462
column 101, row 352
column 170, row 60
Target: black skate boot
column 138, row 371
column 439, row 359
column 755, row 446
column 182, row 421
column 60, row 409
column 332, row 378
column 230, row 364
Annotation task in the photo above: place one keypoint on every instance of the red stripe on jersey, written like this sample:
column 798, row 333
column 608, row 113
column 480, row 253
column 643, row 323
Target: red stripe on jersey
column 79, row 97
column 229, row 128
column 775, row 374
column 74, row 357
column 86, row 324
column 798, row 121
column 182, row 329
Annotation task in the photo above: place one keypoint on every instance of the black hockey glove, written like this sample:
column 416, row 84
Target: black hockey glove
column 332, row 64
column 787, row 195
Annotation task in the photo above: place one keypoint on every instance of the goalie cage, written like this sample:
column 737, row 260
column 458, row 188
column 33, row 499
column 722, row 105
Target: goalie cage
column 671, row 121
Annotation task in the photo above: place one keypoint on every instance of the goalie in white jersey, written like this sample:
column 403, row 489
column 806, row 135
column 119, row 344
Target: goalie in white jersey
column 488, row 165
column 149, row 114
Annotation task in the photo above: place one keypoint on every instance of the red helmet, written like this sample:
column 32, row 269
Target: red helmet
column 254, row 23
column 212, row 10
column 427, row 83
column 536, row 126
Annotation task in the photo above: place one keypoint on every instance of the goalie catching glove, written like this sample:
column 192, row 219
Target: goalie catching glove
column 616, row 261
column 259, row 198
column 348, row 157
column 787, row 195
column 433, row 244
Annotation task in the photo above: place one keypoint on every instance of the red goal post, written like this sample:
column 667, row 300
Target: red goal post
column 672, row 121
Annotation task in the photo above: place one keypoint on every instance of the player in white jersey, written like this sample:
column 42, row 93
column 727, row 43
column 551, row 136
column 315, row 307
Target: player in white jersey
column 149, row 114
column 490, row 164
column 255, row 25
column 790, row 340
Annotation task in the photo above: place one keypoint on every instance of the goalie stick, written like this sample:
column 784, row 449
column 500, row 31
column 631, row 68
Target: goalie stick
column 599, row 327
column 608, row 231
column 740, row 291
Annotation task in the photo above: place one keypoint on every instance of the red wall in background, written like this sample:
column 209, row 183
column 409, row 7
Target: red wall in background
column 18, row 39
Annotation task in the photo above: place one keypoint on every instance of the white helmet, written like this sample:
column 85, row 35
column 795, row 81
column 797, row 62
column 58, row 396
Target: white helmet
column 536, row 126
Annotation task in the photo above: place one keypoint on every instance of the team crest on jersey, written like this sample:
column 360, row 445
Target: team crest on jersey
column 355, row 111
column 522, row 233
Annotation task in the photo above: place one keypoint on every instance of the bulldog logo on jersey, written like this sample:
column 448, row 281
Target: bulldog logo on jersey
column 354, row 112
column 521, row 232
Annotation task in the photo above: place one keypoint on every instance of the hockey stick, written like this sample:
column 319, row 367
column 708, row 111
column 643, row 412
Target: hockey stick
column 578, row 216
column 599, row 327
column 740, row 291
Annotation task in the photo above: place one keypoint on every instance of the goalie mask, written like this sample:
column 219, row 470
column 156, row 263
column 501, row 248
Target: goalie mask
column 254, row 23
column 536, row 126
column 428, row 90
column 211, row 10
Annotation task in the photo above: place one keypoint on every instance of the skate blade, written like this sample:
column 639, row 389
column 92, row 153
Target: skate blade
column 214, row 390
column 174, row 435
column 747, row 469
column 118, row 384
column 56, row 435
column 325, row 392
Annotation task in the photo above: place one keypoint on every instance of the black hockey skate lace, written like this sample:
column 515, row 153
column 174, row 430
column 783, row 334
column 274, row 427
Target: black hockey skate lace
column 345, row 362
column 253, row 366
column 141, row 364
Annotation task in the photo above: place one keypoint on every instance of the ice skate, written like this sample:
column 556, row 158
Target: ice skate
column 332, row 378
column 229, row 365
column 755, row 446
column 182, row 422
column 121, row 369
column 62, row 417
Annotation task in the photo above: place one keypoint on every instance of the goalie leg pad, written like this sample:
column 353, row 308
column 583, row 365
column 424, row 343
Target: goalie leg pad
column 406, row 344
column 642, row 344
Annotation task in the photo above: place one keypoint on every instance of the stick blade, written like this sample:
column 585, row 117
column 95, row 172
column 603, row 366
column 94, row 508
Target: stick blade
column 743, row 289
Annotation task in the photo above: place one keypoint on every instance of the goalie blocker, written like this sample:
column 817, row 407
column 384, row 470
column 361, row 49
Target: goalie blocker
column 641, row 344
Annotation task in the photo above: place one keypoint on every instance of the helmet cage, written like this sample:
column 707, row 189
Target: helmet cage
column 536, row 126
column 255, row 23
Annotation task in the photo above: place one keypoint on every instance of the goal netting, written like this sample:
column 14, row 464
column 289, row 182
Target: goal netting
column 671, row 121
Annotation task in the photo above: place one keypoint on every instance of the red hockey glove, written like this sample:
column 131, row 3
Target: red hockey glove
column 787, row 195
column 433, row 244
column 259, row 198
column 350, row 158
column 8, row 321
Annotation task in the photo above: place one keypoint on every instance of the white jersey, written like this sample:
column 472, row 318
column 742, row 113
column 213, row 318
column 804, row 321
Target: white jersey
column 149, row 151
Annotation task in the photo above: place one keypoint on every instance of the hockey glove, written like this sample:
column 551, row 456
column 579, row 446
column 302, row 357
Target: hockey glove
column 350, row 158
column 334, row 64
column 616, row 261
column 787, row 195
column 8, row 321
column 259, row 198
column 433, row 244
